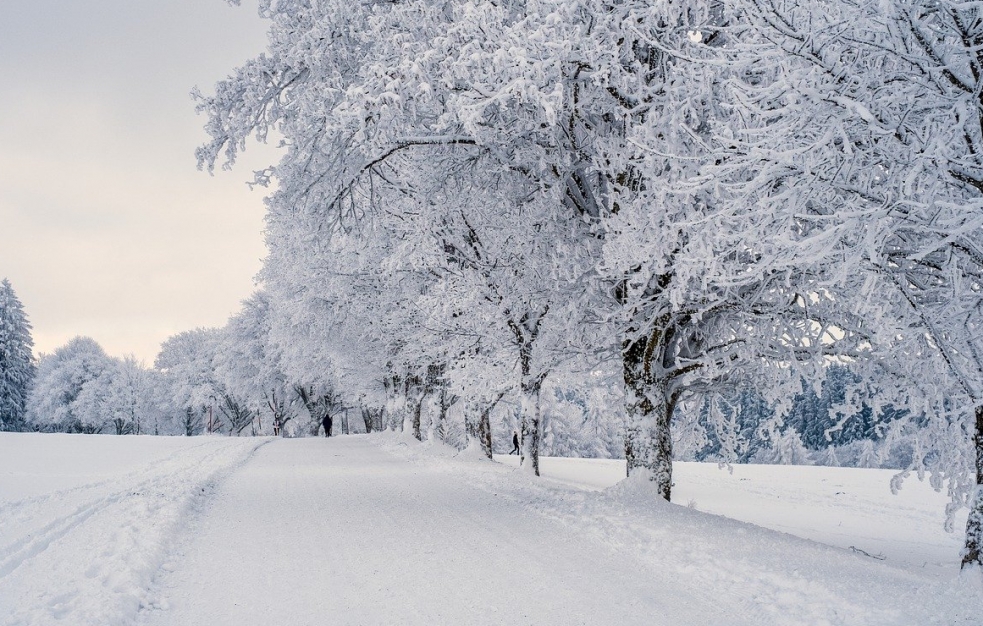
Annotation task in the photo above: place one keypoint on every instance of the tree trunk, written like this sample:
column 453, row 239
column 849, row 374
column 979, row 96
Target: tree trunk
column 415, row 394
column 529, row 455
column 649, row 405
column 190, row 421
column 526, row 330
column 479, row 430
column 637, row 404
column 477, row 427
column 397, row 411
column 973, row 549
column 440, row 429
column 484, row 429
column 417, row 410
column 391, row 412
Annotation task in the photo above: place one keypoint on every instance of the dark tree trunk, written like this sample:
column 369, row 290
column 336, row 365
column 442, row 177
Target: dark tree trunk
column 637, row 404
column 478, row 429
column 649, row 407
column 440, row 430
column 529, row 446
column 484, row 430
column 192, row 421
column 417, row 410
column 530, row 384
column 973, row 549
column 415, row 395
column 477, row 424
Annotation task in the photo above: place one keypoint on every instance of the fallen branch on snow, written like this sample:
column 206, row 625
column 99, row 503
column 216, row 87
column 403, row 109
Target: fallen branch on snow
column 879, row 557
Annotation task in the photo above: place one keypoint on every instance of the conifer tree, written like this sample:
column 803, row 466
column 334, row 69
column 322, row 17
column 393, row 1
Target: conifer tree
column 16, row 359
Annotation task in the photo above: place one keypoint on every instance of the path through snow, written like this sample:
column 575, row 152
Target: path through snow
column 340, row 531
column 316, row 531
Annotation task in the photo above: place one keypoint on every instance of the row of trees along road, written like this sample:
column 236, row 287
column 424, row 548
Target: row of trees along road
column 477, row 196
column 204, row 381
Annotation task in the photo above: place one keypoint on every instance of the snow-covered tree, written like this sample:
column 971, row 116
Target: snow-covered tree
column 61, row 379
column 248, row 366
column 868, row 137
column 186, row 362
column 17, row 366
column 121, row 398
column 454, row 124
column 786, row 449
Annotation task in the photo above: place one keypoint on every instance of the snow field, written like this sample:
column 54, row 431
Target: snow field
column 86, row 522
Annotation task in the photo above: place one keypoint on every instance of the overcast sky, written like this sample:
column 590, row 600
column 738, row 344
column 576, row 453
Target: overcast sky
column 107, row 229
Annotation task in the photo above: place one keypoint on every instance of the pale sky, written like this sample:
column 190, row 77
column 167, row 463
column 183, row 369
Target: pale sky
column 107, row 229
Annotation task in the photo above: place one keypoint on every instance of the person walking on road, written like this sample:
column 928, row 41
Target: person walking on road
column 326, row 422
column 515, row 443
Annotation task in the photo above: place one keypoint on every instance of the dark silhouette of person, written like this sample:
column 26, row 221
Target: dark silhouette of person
column 515, row 443
column 326, row 422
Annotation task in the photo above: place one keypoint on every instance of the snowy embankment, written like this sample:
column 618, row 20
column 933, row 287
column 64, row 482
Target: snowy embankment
column 846, row 507
column 805, row 574
column 86, row 522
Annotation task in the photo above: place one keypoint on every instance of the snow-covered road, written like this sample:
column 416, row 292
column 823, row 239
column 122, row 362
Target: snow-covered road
column 383, row 530
column 337, row 531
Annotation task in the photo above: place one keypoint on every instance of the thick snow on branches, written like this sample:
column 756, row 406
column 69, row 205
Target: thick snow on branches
column 697, row 197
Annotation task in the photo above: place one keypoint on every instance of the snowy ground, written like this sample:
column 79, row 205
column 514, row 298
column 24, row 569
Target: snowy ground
column 87, row 522
column 845, row 507
column 382, row 530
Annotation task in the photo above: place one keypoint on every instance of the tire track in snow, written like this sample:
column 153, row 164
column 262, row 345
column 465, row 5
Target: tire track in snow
column 25, row 547
column 94, row 497
column 94, row 564
column 8, row 510
column 29, row 547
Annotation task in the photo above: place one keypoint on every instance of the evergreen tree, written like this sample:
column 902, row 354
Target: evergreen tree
column 16, row 359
